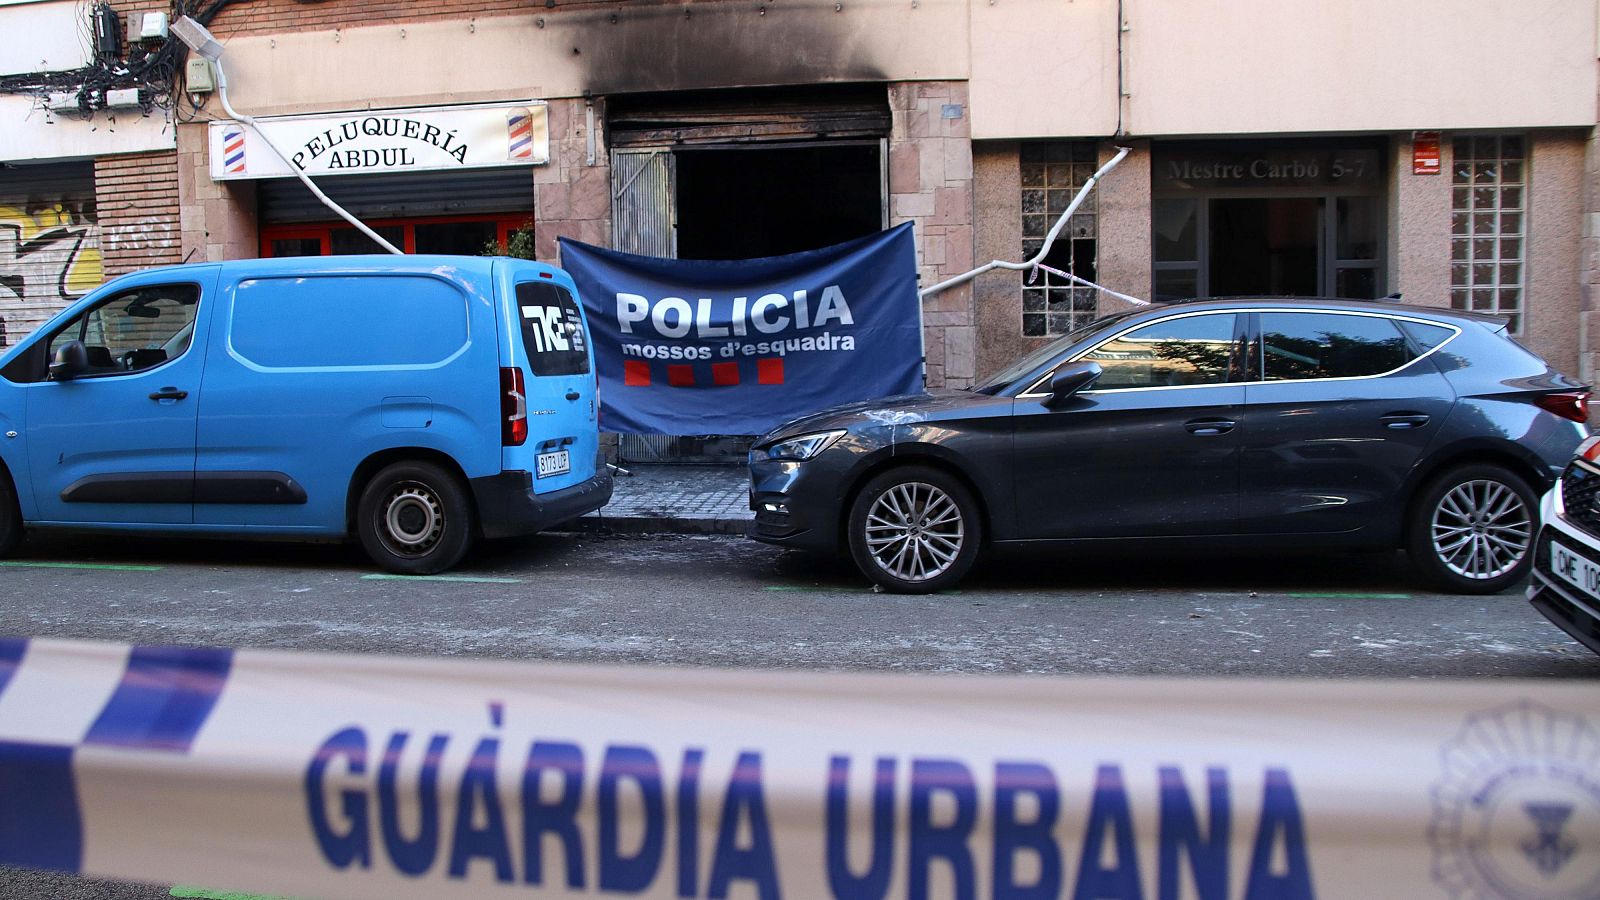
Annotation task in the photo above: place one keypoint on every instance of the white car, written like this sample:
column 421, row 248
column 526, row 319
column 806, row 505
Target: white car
column 1566, row 565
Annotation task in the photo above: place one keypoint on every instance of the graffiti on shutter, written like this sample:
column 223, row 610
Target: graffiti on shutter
column 49, row 256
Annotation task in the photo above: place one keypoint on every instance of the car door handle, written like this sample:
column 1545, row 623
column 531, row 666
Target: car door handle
column 1209, row 426
column 1403, row 420
column 169, row 393
column 573, row 395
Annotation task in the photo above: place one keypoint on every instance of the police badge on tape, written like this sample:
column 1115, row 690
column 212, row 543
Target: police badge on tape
column 1516, row 810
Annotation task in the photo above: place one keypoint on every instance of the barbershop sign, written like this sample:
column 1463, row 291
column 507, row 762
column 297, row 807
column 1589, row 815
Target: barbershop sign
column 391, row 140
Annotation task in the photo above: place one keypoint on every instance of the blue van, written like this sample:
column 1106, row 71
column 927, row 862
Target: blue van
column 416, row 402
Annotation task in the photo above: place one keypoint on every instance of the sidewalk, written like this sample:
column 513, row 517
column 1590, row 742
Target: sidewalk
column 680, row 499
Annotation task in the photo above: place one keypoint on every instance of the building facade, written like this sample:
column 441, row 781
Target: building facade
column 1439, row 150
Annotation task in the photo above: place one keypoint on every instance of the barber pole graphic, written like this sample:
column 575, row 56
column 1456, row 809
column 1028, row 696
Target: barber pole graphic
column 233, row 151
column 519, row 123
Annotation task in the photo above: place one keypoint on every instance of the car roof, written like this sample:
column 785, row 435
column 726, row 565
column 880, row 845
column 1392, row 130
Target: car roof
column 1386, row 307
column 359, row 263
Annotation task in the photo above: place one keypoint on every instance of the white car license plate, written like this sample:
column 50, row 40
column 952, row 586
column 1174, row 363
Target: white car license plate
column 1575, row 570
column 557, row 463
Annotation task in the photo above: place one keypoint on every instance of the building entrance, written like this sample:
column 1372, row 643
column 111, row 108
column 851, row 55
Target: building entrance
column 768, row 201
column 1267, row 219
column 1265, row 246
column 743, row 175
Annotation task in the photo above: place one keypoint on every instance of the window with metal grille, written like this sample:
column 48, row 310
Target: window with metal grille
column 1052, row 174
column 1489, row 180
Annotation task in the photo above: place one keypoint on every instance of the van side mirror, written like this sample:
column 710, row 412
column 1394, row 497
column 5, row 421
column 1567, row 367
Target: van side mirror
column 71, row 360
column 1070, row 379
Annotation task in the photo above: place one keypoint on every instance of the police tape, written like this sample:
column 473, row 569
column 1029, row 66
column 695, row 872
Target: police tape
column 309, row 774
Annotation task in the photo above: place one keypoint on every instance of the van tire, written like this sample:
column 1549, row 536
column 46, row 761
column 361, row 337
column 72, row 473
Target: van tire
column 10, row 516
column 415, row 518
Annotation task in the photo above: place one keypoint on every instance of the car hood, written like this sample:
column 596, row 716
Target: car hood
column 900, row 410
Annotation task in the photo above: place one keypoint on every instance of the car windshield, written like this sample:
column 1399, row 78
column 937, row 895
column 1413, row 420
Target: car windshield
column 1029, row 362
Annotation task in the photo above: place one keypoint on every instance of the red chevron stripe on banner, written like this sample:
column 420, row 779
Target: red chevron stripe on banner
column 637, row 373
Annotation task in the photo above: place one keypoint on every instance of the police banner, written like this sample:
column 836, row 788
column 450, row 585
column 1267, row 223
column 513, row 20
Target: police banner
column 737, row 347
column 364, row 776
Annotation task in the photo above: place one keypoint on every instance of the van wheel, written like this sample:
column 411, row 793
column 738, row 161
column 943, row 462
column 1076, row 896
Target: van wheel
column 914, row 530
column 1471, row 530
column 10, row 517
column 414, row 518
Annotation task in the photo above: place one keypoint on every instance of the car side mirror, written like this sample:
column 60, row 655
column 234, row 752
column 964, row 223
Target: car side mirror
column 71, row 360
column 1070, row 379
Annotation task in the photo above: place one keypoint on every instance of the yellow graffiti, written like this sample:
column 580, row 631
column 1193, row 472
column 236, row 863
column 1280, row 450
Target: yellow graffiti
column 84, row 270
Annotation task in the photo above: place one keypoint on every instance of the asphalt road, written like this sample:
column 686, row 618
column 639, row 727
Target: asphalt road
column 724, row 601
column 721, row 601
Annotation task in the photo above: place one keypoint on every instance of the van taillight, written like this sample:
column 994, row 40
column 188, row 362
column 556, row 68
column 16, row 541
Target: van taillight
column 1573, row 405
column 513, row 408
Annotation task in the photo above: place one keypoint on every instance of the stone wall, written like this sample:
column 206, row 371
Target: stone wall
column 1553, row 275
column 217, row 218
column 1589, row 264
column 930, row 185
column 572, row 198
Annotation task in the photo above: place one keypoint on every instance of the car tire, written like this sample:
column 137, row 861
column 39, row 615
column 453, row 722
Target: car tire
column 10, row 516
column 415, row 518
column 918, row 510
column 1472, row 529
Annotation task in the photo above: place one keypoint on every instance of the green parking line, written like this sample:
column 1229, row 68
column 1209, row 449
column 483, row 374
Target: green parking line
column 179, row 890
column 816, row 589
column 105, row 567
column 468, row 579
column 1350, row 596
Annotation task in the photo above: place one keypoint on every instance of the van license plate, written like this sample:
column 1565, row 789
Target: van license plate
column 1575, row 570
column 557, row 463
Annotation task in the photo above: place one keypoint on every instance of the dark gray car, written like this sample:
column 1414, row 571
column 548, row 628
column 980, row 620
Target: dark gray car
column 1241, row 424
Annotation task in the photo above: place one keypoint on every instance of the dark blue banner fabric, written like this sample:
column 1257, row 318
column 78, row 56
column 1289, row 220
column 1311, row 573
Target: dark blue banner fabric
column 736, row 347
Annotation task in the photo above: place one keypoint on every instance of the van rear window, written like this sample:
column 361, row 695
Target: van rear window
column 336, row 321
column 552, row 330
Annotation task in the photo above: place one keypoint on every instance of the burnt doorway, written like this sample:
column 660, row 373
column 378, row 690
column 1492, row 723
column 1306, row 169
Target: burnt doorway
column 743, row 174
column 755, row 201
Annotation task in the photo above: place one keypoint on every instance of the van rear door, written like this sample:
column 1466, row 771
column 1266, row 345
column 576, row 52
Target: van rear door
column 563, row 431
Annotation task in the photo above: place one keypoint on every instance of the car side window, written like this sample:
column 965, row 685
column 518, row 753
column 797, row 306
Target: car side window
column 1187, row 350
column 134, row 330
column 1427, row 335
column 1297, row 346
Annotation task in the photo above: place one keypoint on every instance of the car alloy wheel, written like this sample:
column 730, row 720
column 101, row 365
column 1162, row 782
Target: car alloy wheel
column 914, row 529
column 1471, row 529
column 1481, row 529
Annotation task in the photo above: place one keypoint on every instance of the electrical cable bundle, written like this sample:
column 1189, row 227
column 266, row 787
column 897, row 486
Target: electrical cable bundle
column 153, row 71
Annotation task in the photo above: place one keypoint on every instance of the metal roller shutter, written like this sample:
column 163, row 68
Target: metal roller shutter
column 285, row 201
column 49, row 242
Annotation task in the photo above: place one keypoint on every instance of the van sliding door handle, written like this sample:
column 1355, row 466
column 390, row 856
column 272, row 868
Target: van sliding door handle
column 169, row 393
column 573, row 395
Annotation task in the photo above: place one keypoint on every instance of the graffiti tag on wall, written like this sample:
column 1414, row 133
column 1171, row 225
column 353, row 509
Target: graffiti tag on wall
column 49, row 256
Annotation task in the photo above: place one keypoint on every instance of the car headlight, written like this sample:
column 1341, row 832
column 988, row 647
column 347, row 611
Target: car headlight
column 803, row 447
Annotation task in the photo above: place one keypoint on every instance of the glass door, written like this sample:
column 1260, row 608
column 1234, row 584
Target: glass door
column 1307, row 245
